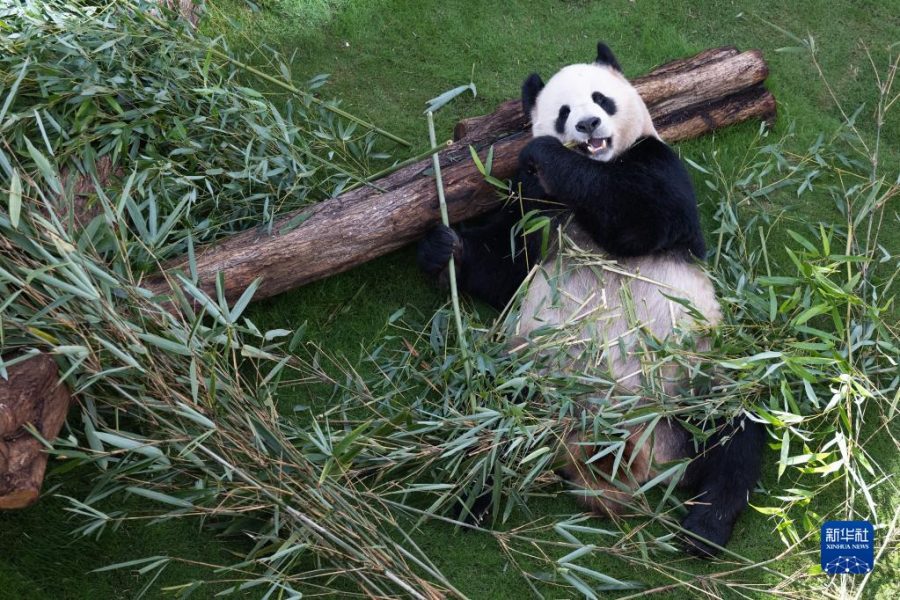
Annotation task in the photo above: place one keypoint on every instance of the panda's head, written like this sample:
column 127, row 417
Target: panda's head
column 591, row 106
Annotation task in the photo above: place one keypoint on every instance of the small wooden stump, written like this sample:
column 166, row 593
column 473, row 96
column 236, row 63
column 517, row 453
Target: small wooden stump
column 32, row 394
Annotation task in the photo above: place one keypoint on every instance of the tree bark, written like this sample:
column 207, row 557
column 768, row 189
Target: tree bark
column 31, row 395
column 753, row 103
column 687, row 98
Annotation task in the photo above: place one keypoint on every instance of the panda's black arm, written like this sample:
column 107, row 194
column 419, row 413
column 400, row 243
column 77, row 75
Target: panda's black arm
column 492, row 269
column 641, row 203
column 487, row 268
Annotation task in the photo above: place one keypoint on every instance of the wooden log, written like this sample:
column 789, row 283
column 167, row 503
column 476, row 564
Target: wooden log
column 682, row 88
column 360, row 225
column 754, row 103
column 691, row 62
column 32, row 395
column 345, row 231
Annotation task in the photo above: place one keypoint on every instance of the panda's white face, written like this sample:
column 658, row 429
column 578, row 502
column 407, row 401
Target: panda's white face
column 594, row 107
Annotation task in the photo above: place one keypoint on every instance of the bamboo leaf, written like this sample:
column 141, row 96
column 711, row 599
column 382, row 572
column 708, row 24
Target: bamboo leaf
column 15, row 199
column 785, row 450
column 43, row 165
column 238, row 309
column 159, row 497
column 11, row 94
column 441, row 100
column 129, row 563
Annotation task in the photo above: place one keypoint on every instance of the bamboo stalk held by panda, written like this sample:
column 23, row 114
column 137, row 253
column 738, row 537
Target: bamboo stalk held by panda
column 687, row 98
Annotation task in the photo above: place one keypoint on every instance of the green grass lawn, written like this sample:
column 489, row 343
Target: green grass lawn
column 386, row 58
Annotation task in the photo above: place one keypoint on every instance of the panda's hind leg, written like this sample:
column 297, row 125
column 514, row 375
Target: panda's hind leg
column 721, row 478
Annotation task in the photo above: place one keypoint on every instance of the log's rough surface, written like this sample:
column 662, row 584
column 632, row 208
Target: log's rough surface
column 753, row 103
column 686, row 98
column 31, row 395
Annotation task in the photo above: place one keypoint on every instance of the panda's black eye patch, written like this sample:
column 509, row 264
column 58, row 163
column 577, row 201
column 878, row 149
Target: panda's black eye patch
column 564, row 111
column 607, row 104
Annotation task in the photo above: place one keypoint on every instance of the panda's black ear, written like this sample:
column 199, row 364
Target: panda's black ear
column 531, row 87
column 605, row 56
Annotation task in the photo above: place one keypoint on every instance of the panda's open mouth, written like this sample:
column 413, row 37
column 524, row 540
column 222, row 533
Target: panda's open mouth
column 595, row 146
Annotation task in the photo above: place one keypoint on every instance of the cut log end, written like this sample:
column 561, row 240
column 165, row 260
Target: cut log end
column 31, row 395
column 19, row 498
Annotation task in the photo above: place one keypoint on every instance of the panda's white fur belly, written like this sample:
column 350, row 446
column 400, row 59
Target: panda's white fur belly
column 584, row 300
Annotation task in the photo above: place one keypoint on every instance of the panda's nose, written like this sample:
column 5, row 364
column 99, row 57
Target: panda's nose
column 587, row 125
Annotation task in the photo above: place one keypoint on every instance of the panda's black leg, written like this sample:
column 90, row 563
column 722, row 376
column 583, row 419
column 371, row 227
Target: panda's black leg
column 474, row 515
column 486, row 266
column 722, row 477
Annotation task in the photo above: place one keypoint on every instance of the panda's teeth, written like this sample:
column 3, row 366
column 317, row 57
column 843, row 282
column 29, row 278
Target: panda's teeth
column 596, row 145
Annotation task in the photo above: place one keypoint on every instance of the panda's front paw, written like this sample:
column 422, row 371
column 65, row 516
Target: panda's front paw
column 536, row 154
column 703, row 521
column 436, row 248
column 536, row 160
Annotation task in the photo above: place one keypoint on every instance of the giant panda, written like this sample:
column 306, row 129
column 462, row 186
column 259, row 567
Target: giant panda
column 597, row 166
